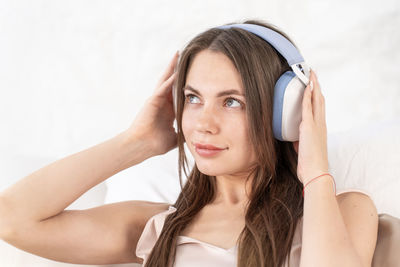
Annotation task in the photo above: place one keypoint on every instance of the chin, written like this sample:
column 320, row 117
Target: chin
column 210, row 171
column 205, row 170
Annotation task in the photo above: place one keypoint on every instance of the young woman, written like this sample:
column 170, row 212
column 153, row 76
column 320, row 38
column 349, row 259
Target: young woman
column 243, row 202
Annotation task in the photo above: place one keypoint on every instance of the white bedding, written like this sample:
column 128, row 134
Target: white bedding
column 368, row 159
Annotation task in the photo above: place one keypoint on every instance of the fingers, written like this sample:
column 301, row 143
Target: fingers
column 165, row 88
column 169, row 70
column 306, row 112
column 318, row 100
column 313, row 106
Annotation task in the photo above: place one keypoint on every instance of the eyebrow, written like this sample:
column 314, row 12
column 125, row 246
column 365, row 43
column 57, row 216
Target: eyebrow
column 223, row 93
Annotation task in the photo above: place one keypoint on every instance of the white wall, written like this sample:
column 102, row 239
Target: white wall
column 73, row 73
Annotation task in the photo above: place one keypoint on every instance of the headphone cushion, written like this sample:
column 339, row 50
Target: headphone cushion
column 286, row 117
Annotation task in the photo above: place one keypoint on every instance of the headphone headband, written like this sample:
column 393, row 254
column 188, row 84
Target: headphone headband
column 281, row 44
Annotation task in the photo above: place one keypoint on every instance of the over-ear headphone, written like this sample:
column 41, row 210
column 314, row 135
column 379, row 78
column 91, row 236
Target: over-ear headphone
column 289, row 88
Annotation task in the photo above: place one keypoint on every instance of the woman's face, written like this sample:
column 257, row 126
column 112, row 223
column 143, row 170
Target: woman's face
column 212, row 117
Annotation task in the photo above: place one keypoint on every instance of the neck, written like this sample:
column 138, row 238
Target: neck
column 231, row 191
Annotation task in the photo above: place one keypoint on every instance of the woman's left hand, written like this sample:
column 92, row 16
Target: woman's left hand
column 312, row 145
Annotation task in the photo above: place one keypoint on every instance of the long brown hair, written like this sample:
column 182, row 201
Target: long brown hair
column 275, row 202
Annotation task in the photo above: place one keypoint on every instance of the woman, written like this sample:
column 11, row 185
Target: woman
column 242, row 205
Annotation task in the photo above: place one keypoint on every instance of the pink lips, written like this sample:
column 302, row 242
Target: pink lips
column 207, row 150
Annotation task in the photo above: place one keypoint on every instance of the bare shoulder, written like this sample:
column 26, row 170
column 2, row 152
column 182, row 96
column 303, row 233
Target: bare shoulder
column 361, row 218
column 135, row 214
column 145, row 209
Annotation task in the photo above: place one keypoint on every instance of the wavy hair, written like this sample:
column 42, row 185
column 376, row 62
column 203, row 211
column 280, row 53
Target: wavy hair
column 275, row 203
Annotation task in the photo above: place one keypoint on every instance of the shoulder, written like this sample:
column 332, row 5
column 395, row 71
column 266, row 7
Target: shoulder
column 361, row 218
column 357, row 202
column 150, row 210
column 357, row 206
column 151, row 228
column 153, row 216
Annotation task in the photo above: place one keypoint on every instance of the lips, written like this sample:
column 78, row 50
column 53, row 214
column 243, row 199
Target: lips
column 208, row 150
column 208, row 146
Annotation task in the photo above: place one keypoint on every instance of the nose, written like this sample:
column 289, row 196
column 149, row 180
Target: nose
column 207, row 120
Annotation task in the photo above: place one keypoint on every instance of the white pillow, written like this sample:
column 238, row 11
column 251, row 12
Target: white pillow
column 155, row 179
column 365, row 159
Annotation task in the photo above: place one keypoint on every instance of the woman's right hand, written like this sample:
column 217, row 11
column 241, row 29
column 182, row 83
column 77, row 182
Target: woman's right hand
column 154, row 122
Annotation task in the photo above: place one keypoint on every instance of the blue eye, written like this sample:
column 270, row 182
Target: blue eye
column 229, row 99
column 189, row 96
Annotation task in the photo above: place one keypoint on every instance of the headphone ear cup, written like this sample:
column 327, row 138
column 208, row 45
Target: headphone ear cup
column 287, row 107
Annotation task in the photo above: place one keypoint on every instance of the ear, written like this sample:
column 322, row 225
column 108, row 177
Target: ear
column 296, row 146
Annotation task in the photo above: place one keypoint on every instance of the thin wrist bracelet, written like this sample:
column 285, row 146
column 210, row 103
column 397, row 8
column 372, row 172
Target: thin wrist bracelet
column 334, row 184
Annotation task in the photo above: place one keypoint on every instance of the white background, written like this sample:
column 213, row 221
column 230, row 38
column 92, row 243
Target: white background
column 73, row 73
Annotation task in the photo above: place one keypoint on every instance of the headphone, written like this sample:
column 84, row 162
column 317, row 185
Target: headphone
column 289, row 88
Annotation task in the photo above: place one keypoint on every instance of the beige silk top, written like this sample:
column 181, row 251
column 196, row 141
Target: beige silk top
column 195, row 253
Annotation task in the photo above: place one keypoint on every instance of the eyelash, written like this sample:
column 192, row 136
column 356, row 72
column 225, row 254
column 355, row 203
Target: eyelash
column 240, row 102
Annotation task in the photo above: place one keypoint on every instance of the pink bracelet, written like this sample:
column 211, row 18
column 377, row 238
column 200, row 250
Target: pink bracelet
column 334, row 184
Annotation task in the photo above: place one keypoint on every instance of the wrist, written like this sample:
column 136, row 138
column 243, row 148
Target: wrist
column 134, row 148
column 311, row 175
column 320, row 180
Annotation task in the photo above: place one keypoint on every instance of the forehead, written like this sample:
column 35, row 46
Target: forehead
column 212, row 71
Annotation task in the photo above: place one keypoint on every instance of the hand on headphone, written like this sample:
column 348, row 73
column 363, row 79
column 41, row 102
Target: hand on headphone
column 312, row 145
column 154, row 122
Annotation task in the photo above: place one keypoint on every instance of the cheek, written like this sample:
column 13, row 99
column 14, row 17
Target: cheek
column 241, row 137
column 187, row 124
column 242, row 134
